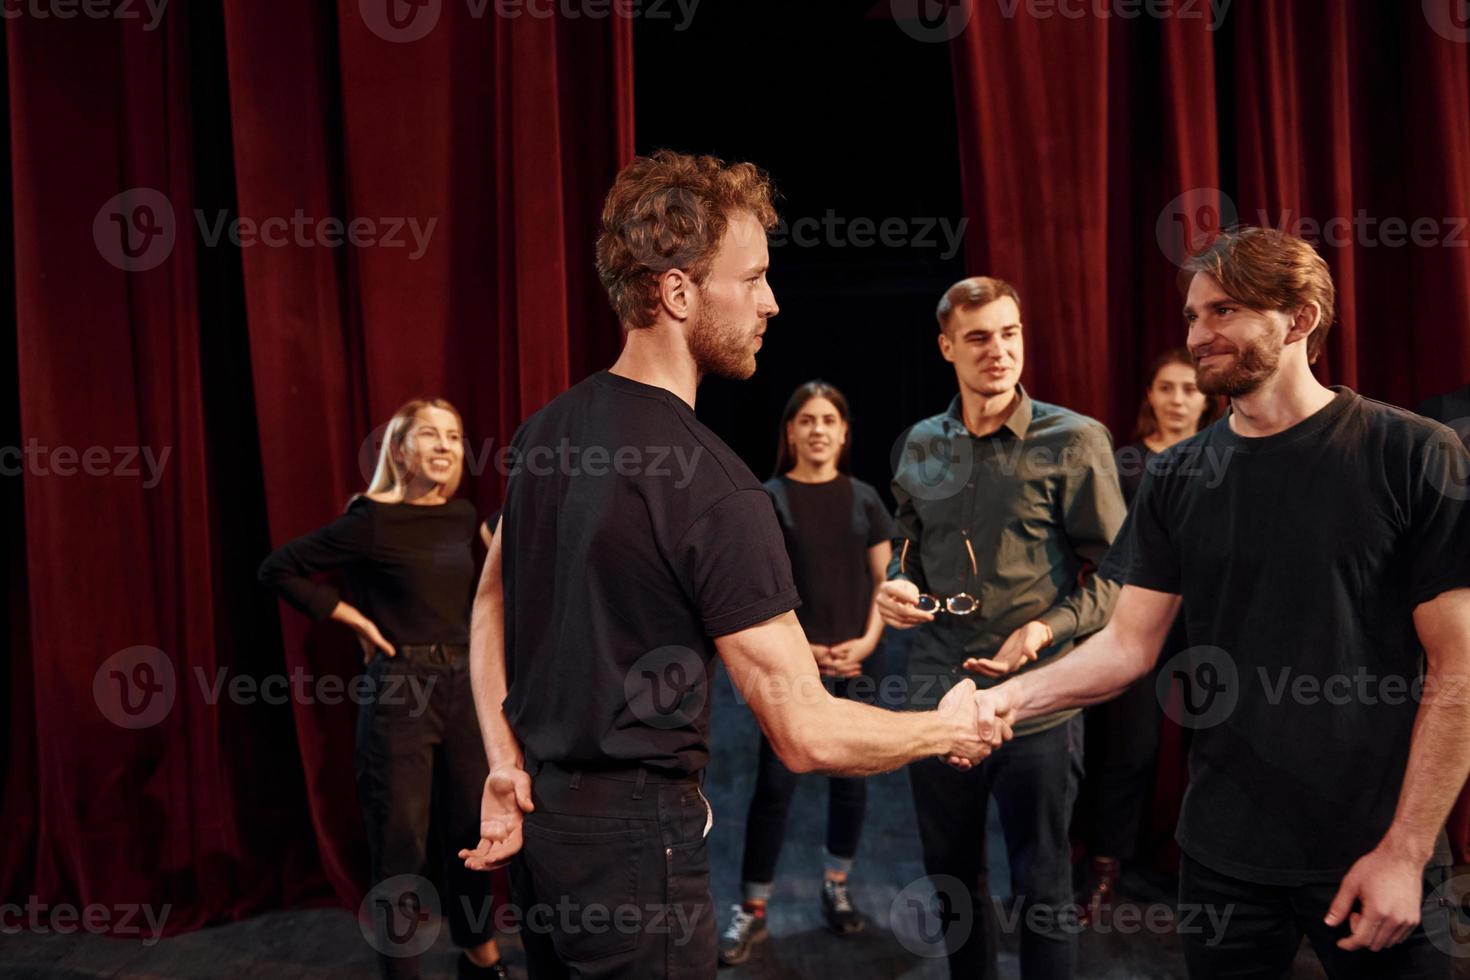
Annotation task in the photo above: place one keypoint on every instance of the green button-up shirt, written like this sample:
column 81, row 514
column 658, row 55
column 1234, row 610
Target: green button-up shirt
column 1038, row 504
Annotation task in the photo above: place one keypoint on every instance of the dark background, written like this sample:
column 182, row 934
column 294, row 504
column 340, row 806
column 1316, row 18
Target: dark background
column 265, row 371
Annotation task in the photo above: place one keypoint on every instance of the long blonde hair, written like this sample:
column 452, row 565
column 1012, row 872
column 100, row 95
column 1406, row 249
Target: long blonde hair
column 391, row 475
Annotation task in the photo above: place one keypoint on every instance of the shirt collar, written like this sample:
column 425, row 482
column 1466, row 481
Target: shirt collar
column 1019, row 421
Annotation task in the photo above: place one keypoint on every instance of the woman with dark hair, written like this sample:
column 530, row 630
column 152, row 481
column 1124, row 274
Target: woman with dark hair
column 404, row 546
column 1122, row 736
column 839, row 536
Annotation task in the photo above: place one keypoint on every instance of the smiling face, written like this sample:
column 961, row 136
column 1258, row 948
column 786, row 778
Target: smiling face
column 432, row 454
column 985, row 346
column 817, row 433
column 1176, row 400
column 734, row 303
column 1235, row 349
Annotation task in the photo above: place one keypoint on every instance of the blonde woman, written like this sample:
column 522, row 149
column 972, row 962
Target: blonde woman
column 404, row 548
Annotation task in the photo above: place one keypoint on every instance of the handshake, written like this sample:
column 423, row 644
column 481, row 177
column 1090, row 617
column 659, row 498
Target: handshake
column 979, row 722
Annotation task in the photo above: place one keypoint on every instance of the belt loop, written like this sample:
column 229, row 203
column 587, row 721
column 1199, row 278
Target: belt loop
column 642, row 781
column 577, row 779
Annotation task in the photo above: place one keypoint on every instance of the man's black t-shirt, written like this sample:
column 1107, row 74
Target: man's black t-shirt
column 829, row 528
column 1301, row 557
column 632, row 536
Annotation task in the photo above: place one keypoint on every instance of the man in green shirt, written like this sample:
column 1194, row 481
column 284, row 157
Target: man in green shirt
column 1006, row 507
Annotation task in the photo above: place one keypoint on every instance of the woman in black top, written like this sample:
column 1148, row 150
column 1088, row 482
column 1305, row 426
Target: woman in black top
column 1122, row 735
column 404, row 548
column 839, row 536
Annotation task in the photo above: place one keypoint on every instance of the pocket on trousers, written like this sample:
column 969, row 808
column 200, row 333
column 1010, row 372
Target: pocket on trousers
column 583, row 881
column 689, row 917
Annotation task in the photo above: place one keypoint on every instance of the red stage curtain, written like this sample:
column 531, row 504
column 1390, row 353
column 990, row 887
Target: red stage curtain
column 504, row 133
column 1093, row 148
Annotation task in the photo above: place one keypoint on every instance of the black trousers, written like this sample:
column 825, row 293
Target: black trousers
column 775, row 785
column 1034, row 781
column 613, row 878
column 1265, row 925
column 1122, row 753
column 420, row 759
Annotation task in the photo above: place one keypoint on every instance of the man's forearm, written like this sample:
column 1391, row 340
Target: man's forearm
column 1439, row 761
column 847, row 738
column 487, row 669
column 1098, row 670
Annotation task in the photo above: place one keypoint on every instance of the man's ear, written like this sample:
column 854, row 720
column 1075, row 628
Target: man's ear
column 946, row 347
column 676, row 293
column 1307, row 318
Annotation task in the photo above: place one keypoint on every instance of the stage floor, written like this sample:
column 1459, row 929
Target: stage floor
column 327, row 944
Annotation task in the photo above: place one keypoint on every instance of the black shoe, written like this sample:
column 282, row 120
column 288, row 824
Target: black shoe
column 838, row 910
column 744, row 931
column 470, row 970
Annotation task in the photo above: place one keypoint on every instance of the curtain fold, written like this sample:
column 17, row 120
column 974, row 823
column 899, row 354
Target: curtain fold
column 411, row 219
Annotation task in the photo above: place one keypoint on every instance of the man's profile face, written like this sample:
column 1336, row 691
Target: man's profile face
column 734, row 303
column 1235, row 349
column 985, row 346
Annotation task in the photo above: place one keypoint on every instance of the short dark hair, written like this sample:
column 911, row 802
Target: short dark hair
column 976, row 291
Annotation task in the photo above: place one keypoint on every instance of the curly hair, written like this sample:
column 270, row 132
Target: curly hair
column 670, row 211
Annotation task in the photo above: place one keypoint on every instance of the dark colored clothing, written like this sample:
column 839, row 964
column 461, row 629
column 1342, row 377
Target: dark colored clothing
column 1133, row 460
column 613, row 878
column 775, row 786
column 1034, row 782
column 632, row 537
column 1234, row 930
column 1123, row 734
column 1451, row 408
column 1301, row 557
column 408, row 568
column 422, row 723
column 1039, row 504
column 829, row 528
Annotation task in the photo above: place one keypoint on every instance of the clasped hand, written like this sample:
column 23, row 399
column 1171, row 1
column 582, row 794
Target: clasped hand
column 981, row 722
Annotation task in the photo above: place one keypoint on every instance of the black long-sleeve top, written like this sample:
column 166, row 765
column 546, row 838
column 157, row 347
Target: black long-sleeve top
column 408, row 568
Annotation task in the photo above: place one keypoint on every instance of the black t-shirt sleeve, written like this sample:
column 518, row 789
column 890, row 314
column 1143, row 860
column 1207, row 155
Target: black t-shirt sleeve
column 880, row 523
column 733, row 563
column 288, row 569
column 1438, row 534
column 1144, row 547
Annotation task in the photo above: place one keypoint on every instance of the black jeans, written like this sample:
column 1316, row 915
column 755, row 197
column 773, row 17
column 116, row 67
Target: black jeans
column 775, row 785
column 420, row 758
column 1265, row 925
column 613, row 877
column 1034, row 781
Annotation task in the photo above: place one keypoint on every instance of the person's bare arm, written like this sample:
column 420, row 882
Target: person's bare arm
column 507, row 795
column 1388, row 881
column 1103, row 666
column 811, row 731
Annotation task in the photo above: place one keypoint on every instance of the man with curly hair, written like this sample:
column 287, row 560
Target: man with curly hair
column 615, row 578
